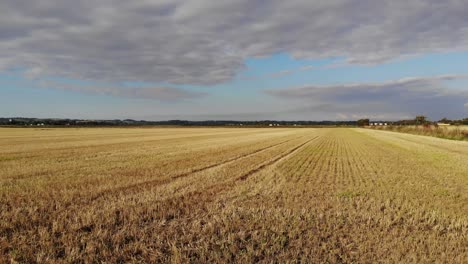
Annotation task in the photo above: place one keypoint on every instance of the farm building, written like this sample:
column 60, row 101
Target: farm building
column 377, row 124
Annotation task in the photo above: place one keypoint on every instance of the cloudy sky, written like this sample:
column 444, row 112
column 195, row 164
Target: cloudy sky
column 234, row 59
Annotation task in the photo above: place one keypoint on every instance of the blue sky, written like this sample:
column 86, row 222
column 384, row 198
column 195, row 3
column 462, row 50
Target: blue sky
column 200, row 61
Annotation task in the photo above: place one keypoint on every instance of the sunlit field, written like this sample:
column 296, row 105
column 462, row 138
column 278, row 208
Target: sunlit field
column 214, row 195
column 464, row 128
column 446, row 132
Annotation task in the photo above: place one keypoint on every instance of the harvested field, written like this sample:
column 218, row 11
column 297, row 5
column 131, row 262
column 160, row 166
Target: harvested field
column 446, row 132
column 231, row 195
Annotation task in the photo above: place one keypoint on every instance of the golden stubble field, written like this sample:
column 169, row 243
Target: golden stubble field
column 211, row 195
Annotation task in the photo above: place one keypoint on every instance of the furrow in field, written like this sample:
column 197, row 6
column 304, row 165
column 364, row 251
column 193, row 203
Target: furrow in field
column 171, row 203
column 150, row 190
column 320, row 172
column 203, row 195
column 354, row 171
column 271, row 179
column 138, row 185
column 275, row 160
column 342, row 159
column 366, row 170
column 129, row 162
column 237, row 170
column 316, row 160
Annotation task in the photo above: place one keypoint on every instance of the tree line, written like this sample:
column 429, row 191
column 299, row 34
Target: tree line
column 418, row 120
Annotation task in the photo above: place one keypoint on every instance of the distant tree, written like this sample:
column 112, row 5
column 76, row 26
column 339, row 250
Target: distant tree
column 363, row 122
column 420, row 120
column 445, row 121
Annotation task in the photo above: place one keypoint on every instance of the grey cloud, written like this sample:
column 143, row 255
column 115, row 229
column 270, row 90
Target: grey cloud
column 396, row 98
column 280, row 74
column 243, row 116
column 366, row 91
column 152, row 93
column 204, row 42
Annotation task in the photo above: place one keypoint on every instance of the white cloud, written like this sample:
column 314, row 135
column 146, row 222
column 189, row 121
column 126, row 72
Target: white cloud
column 205, row 42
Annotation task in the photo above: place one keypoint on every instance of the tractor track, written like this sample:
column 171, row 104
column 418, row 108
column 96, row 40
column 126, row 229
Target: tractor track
column 157, row 182
column 275, row 160
column 209, row 194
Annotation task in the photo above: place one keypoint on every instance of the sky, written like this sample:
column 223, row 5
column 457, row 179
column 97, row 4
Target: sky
column 234, row 59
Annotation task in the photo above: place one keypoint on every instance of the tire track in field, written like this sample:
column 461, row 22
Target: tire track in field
column 189, row 202
column 99, row 148
column 186, row 174
column 299, row 163
column 275, row 160
column 172, row 208
column 231, row 160
column 183, row 204
column 224, row 185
